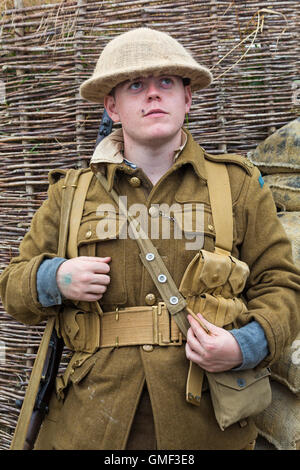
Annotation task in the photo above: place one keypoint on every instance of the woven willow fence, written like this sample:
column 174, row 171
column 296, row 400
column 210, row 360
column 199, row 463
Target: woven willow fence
column 47, row 51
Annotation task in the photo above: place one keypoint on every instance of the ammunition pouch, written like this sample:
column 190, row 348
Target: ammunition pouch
column 80, row 330
column 210, row 285
column 213, row 273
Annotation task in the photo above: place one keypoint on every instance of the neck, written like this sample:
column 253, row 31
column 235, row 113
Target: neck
column 154, row 159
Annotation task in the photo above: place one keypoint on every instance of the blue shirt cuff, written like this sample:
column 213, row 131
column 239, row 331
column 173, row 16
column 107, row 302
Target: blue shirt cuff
column 47, row 289
column 253, row 344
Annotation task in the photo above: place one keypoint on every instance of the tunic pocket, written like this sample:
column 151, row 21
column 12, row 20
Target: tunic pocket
column 107, row 232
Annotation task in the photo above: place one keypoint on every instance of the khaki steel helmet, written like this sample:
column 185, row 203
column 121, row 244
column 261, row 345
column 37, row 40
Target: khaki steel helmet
column 142, row 52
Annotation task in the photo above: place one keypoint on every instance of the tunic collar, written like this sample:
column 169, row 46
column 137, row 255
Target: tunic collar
column 108, row 156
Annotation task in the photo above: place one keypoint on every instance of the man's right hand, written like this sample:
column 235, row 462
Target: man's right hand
column 83, row 278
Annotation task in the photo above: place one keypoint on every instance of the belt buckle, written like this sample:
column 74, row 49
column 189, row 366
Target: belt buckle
column 159, row 311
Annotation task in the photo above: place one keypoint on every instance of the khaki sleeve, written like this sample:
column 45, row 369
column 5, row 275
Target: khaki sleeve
column 18, row 281
column 273, row 288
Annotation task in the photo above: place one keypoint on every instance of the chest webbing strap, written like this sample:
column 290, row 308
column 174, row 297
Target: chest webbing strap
column 221, row 205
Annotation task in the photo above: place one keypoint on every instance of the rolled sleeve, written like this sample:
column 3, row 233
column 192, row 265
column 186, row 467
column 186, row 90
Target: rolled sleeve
column 47, row 289
column 253, row 344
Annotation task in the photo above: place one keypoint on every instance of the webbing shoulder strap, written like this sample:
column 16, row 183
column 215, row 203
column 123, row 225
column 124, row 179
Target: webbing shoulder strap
column 221, row 205
column 76, row 212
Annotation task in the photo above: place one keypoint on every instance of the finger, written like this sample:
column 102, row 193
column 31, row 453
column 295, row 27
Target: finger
column 96, row 289
column 92, row 297
column 100, row 268
column 100, row 279
column 105, row 259
column 194, row 342
column 193, row 356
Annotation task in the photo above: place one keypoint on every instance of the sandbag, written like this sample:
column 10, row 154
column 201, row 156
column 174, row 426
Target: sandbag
column 291, row 224
column 280, row 422
column 287, row 369
column 285, row 188
column 280, row 152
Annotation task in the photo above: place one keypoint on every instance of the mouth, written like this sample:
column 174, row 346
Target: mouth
column 155, row 112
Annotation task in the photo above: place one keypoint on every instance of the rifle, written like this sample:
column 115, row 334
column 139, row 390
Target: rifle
column 51, row 362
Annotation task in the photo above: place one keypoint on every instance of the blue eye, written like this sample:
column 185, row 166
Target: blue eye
column 166, row 82
column 135, row 85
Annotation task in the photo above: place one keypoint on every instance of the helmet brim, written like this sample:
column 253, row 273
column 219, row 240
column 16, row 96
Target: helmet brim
column 96, row 88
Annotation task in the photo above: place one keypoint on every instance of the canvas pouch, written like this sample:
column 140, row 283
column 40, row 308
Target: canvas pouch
column 211, row 285
column 236, row 395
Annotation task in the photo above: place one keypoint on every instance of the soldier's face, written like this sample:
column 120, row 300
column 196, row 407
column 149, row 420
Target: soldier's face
column 151, row 110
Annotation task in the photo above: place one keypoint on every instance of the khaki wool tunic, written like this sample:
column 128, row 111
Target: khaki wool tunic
column 100, row 391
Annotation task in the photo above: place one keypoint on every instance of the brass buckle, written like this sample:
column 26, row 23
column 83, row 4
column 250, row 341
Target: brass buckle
column 160, row 312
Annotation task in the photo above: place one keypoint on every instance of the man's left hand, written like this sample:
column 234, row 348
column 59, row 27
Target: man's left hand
column 214, row 352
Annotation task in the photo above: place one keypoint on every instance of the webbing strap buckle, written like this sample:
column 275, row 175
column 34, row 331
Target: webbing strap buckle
column 165, row 330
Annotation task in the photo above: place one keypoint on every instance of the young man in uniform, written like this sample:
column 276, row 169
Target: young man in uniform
column 132, row 396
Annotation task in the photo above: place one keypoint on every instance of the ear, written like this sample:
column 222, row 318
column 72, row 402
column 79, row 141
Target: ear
column 188, row 98
column 110, row 106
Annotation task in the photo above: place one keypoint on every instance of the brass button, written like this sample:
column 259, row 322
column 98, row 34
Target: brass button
column 88, row 234
column 148, row 347
column 135, row 182
column 150, row 299
column 211, row 228
column 154, row 211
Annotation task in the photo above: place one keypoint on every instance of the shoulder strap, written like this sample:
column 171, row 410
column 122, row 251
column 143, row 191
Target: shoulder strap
column 76, row 212
column 66, row 205
column 221, row 205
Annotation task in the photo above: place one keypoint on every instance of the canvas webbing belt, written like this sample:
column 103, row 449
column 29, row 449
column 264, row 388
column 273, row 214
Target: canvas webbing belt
column 139, row 326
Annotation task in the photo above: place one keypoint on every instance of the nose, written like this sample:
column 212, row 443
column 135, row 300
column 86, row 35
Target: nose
column 153, row 92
